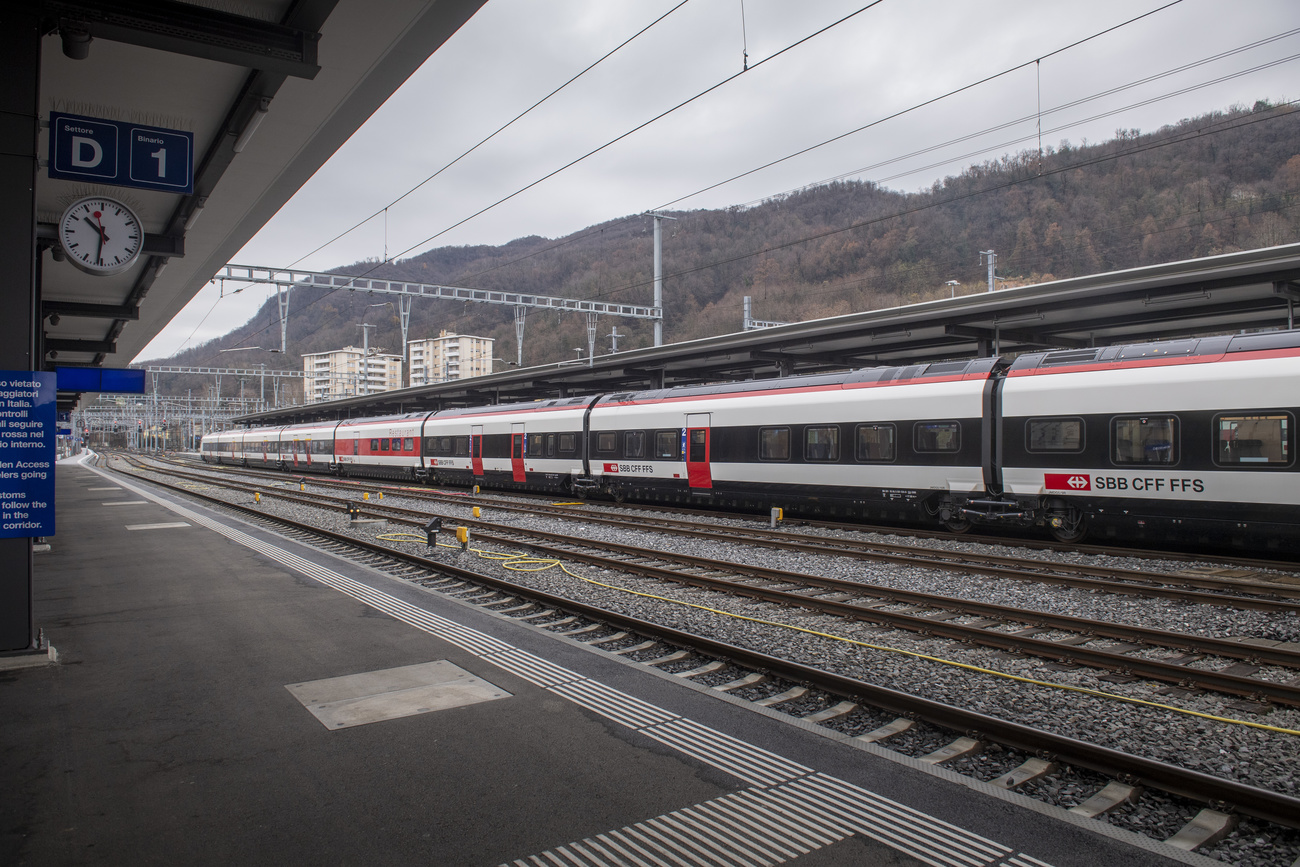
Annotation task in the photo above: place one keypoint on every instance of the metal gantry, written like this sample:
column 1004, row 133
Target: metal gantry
column 287, row 279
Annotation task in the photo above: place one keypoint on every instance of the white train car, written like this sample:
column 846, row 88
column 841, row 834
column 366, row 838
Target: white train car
column 308, row 448
column 388, row 447
column 898, row 442
column 1192, row 439
column 221, row 447
column 533, row 446
column 260, row 447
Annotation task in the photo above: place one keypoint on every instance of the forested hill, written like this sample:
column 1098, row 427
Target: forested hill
column 1218, row 183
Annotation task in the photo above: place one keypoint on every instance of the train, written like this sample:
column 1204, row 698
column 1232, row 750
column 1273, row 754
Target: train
column 1182, row 440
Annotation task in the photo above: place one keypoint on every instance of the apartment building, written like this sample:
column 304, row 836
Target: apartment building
column 449, row 356
column 347, row 372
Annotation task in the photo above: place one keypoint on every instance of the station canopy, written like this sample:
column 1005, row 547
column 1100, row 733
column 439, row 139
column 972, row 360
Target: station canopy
column 269, row 90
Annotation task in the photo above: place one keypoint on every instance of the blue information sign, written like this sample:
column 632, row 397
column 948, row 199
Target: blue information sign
column 122, row 154
column 27, row 453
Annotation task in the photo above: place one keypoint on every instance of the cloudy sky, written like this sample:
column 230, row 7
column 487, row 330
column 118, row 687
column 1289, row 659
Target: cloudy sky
column 892, row 57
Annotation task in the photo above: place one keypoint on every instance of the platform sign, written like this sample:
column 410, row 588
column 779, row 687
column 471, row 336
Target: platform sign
column 27, row 453
column 122, row 154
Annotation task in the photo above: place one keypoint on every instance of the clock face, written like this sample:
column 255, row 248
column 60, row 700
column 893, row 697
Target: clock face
column 101, row 235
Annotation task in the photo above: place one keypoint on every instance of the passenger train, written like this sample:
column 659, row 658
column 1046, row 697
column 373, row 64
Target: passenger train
column 1190, row 440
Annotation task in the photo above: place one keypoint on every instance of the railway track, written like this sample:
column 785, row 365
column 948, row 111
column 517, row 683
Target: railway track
column 1142, row 583
column 1000, row 627
column 695, row 656
column 1225, row 563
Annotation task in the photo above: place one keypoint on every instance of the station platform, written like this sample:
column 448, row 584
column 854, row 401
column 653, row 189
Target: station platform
column 223, row 695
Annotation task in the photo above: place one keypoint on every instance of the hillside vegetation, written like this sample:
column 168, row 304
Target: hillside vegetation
column 1219, row 183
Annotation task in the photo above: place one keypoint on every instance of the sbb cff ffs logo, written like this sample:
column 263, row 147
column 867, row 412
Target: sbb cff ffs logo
column 1067, row 481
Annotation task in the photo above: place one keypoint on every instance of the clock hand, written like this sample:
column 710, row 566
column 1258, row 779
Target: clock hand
column 102, row 238
column 99, row 230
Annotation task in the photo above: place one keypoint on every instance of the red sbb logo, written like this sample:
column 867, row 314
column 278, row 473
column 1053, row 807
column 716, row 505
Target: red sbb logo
column 611, row 468
column 1067, row 481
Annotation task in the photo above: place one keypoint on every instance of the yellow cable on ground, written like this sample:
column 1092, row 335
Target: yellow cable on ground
column 514, row 561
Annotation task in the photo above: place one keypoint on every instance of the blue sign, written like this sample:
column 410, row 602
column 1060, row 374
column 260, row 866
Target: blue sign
column 27, row 453
column 122, row 154
column 122, row 380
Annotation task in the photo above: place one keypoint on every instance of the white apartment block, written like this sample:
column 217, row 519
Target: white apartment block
column 343, row 373
column 449, row 356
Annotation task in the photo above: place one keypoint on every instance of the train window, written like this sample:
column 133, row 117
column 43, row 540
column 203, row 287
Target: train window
column 550, row 445
column 875, row 442
column 698, row 450
column 383, row 444
column 568, row 443
column 774, row 444
column 667, row 443
column 938, row 436
column 1054, row 435
column 408, row 444
column 462, row 447
column 535, row 445
column 397, row 444
column 634, row 444
column 1149, row 439
column 1253, row 440
column 607, row 441
column 374, row 446
column 821, row 443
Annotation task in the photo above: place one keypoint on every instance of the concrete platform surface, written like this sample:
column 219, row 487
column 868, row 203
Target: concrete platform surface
column 226, row 696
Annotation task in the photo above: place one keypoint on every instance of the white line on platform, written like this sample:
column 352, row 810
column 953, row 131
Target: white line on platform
column 157, row 526
column 127, row 503
column 104, row 489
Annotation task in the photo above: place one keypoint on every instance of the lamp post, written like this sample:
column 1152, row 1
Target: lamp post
column 952, row 285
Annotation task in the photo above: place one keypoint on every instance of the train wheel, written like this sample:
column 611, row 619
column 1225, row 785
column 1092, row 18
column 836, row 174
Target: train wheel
column 957, row 525
column 1071, row 527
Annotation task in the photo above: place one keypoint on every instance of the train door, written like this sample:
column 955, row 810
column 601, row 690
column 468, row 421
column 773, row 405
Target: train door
column 697, row 451
column 476, row 449
column 306, row 448
column 517, row 450
column 295, row 453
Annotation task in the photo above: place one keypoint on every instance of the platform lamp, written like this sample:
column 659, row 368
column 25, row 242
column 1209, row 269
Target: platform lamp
column 952, row 286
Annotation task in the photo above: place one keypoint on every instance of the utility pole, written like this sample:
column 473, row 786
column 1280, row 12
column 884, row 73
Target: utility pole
column 613, row 339
column 992, row 260
column 659, row 277
column 365, row 355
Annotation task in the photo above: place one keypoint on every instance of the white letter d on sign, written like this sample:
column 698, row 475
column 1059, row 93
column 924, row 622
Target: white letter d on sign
column 79, row 143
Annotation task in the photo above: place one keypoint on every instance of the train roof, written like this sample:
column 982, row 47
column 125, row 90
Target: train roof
column 386, row 419
column 1209, row 348
column 534, row 406
column 870, row 375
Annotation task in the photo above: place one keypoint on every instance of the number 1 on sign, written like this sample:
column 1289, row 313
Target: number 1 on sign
column 161, row 156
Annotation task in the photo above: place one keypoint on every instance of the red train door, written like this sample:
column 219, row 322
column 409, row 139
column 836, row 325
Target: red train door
column 476, row 449
column 295, row 452
column 697, row 451
column 517, row 450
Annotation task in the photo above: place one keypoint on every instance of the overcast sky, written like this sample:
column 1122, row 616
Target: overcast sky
column 893, row 56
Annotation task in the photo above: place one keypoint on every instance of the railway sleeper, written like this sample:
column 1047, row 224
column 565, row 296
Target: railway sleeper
column 963, row 746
